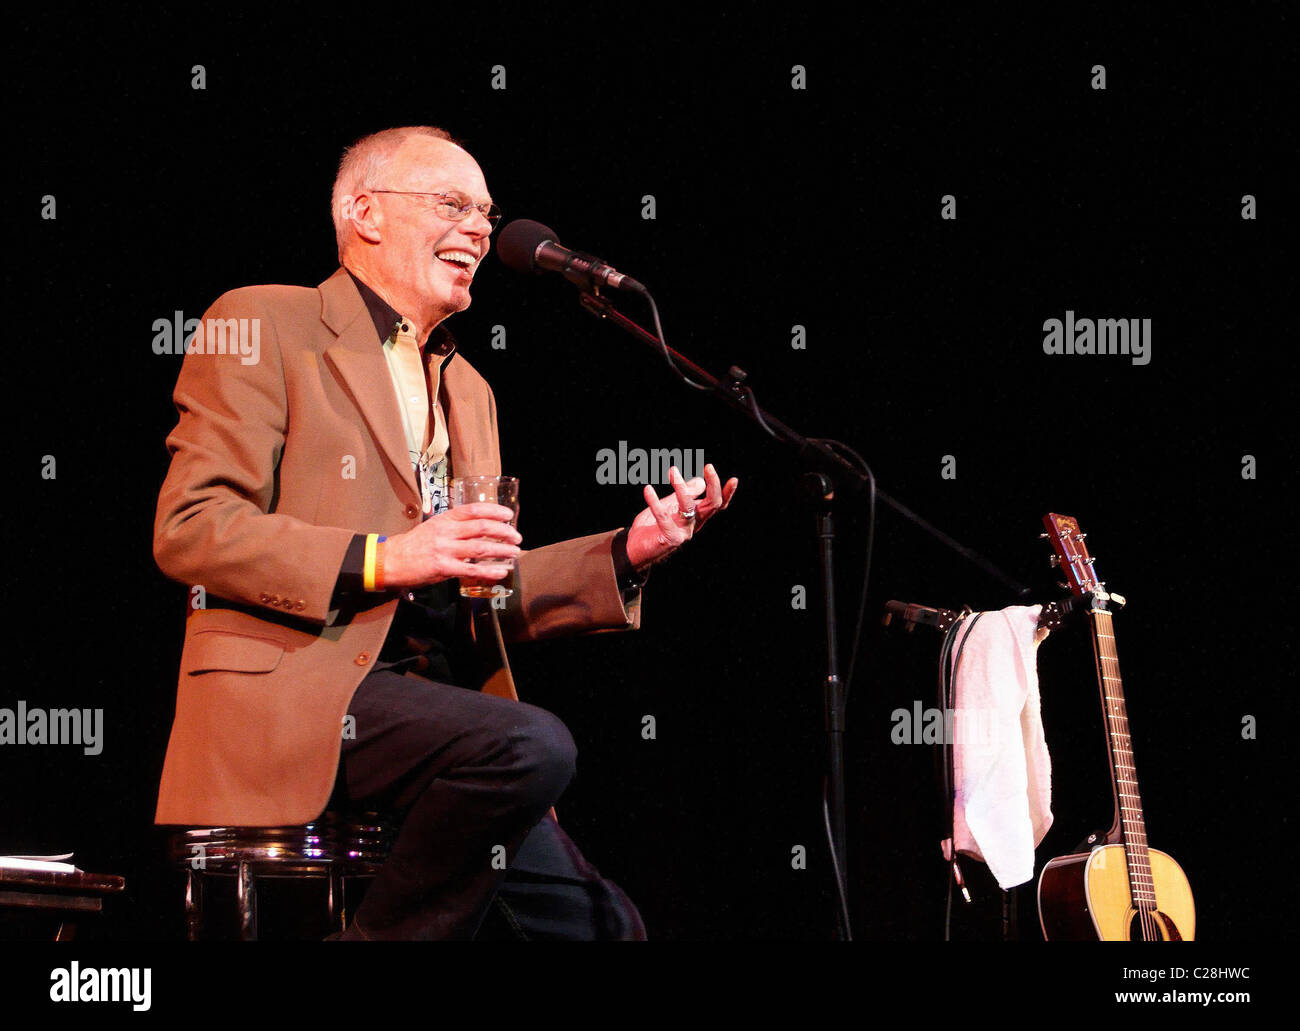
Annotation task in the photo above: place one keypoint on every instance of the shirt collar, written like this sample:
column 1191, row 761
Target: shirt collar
column 387, row 319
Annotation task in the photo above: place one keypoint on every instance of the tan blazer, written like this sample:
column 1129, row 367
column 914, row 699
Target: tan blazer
column 275, row 465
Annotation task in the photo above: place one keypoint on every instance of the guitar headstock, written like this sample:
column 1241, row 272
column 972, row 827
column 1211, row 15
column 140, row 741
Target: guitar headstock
column 1074, row 561
column 1072, row 554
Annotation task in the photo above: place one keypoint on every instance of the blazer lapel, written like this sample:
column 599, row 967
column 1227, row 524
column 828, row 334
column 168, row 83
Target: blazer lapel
column 469, row 423
column 359, row 360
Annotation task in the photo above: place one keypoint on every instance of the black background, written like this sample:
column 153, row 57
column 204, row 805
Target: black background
column 775, row 207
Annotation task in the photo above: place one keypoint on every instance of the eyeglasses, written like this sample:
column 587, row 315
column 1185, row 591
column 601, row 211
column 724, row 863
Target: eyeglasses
column 454, row 206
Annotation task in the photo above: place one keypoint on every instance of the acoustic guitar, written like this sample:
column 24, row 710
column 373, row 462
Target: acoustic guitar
column 1122, row 889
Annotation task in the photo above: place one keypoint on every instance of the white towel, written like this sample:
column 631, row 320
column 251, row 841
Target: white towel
column 1001, row 768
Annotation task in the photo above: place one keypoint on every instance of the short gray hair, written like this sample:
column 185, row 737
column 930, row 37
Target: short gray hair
column 363, row 164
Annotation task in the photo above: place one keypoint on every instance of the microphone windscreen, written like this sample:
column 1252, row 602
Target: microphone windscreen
column 519, row 242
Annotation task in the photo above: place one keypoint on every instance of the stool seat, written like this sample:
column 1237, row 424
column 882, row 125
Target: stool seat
column 333, row 847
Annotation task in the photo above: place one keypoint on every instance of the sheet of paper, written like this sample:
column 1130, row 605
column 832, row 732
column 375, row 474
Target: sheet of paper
column 49, row 864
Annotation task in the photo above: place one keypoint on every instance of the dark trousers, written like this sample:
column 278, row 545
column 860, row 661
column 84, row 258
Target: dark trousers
column 471, row 778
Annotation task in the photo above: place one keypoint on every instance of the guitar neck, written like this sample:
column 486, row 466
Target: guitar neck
column 1128, row 800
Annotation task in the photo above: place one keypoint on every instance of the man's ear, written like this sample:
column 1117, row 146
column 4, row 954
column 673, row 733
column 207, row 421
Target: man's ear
column 365, row 217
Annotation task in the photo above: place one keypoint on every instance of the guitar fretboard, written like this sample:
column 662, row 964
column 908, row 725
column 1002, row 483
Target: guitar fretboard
column 1127, row 797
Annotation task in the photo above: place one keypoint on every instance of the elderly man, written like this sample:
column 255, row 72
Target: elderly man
column 334, row 662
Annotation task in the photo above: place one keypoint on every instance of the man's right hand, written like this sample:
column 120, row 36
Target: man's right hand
column 440, row 547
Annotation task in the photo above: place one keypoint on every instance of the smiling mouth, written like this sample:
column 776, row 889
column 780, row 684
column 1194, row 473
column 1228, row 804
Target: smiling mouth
column 462, row 261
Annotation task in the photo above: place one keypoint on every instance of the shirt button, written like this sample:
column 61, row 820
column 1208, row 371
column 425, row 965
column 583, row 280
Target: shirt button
column 412, row 511
column 363, row 658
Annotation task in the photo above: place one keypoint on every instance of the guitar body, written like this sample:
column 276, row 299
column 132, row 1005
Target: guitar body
column 1086, row 897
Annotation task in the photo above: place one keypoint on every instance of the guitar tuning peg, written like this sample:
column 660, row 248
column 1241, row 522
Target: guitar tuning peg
column 1054, row 561
column 1080, row 536
column 1063, row 585
column 1042, row 536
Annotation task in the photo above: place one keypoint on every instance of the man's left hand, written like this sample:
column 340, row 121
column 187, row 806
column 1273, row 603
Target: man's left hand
column 665, row 525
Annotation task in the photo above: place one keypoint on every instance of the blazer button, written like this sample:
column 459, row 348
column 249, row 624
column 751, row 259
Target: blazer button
column 300, row 605
column 274, row 599
column 264, row 598
column 412, row 511
column 288, row 603
column 363, row 658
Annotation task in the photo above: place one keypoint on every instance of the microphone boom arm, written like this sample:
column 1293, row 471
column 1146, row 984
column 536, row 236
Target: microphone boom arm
column 734, row 391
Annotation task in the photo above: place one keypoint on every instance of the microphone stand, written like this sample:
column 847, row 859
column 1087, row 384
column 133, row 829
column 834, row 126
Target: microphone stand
column 827, row 469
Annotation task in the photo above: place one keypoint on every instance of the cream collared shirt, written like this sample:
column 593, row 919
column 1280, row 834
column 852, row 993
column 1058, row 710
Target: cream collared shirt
column 426, row 438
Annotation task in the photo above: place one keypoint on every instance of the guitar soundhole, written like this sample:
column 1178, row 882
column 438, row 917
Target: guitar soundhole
column 1160, row 928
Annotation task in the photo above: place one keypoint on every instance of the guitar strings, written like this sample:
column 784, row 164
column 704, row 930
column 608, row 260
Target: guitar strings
column 1108, row 662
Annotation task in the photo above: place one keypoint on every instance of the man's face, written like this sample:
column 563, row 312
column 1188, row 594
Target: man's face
column 428, row 261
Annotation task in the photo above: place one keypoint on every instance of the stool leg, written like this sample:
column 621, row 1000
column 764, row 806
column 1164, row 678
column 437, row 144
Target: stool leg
column 246, row 893
column 338, row 904
column 193, row 904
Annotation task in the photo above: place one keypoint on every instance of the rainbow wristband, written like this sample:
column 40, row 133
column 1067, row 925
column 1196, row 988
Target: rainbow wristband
column 372, row 574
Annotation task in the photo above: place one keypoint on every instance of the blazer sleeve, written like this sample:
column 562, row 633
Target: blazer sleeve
column 216, row 523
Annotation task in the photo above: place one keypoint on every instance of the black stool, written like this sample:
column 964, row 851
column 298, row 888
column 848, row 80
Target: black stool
column 332, row 847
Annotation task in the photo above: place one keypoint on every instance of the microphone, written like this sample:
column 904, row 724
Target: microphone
column 528, row 246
